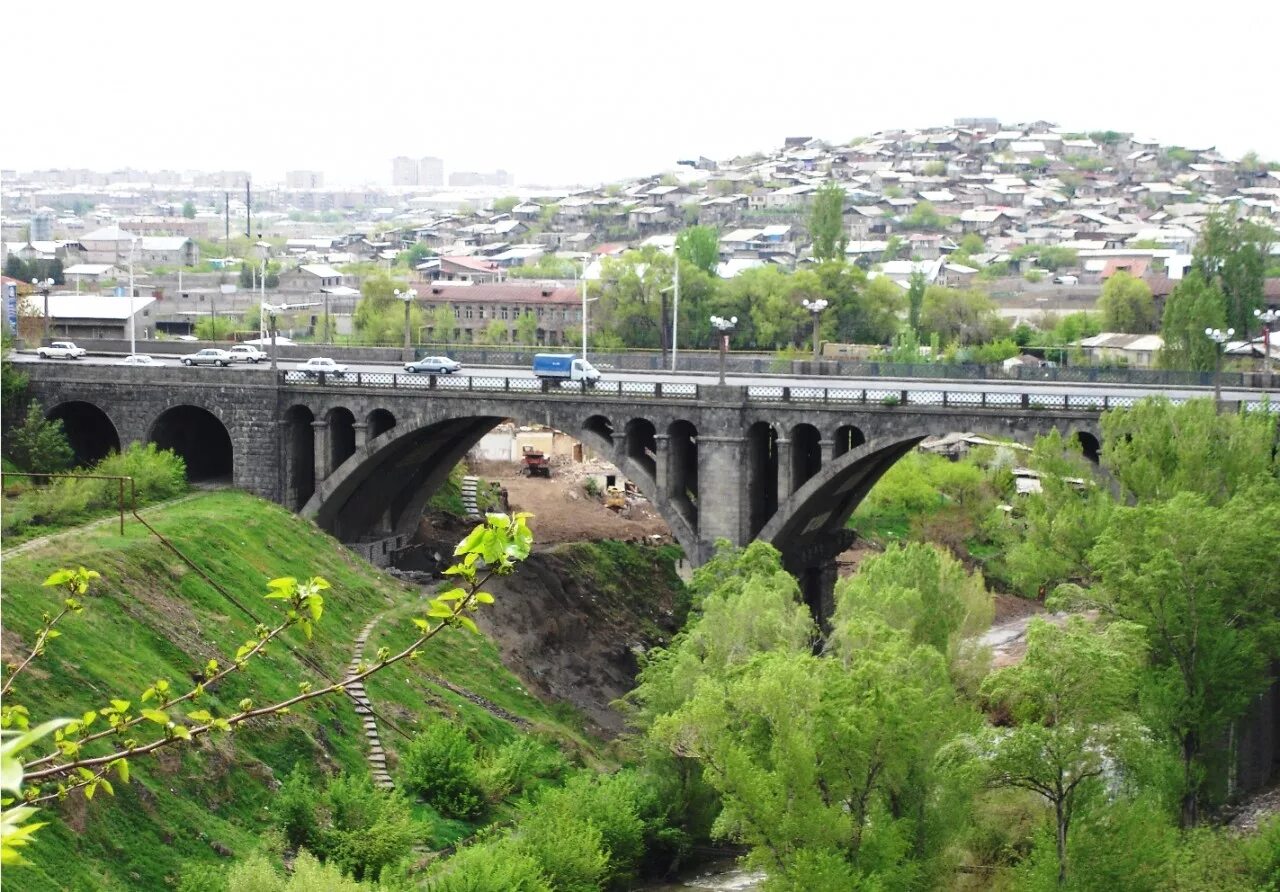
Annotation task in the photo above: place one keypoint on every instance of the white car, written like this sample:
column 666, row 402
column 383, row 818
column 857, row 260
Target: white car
column 434, row 365
column 141, row 359
column 322, row 365
column 247, row 353
column 208, row 356
column 61, row 350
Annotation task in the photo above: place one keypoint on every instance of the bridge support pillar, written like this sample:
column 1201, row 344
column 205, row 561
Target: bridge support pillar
column 321, row 439
column 361, row 430
column 722, row 500
column 786, row 470
column 829, row 453
column 664, row 475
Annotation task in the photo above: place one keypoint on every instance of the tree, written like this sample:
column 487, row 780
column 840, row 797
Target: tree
column 1232, row 254
column 972, row 243
column 700, row 246
column 1156, row 449
column 1071, row 699
column 915, row 299
column 960, row 316
column 189, row 209
column 774, row 316
column 215, row 328
column 415, row 254
column 527, row 329
column 1127, row 305
column 496, row 332
column 826, row 222
column 1192, row 307
column 39, row 445
column 1201, row 581
column 444, row 321
column 505, row 204
column 379, row 315
column 923, row 216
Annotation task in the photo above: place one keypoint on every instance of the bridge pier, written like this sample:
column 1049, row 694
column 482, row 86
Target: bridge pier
column 361, row 430
column 786, row 478
column 720, row 465
column 320, row 437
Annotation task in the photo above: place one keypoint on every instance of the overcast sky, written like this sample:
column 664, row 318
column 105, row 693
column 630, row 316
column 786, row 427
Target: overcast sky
column 581, row 92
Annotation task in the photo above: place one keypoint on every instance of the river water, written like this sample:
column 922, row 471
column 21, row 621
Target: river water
column 718, row 877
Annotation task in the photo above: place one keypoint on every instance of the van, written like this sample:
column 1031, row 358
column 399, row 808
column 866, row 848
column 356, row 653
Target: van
column 1066, row 280
column 565, row 367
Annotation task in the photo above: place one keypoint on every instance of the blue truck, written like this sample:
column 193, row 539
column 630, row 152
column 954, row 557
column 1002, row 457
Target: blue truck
column 564, row 366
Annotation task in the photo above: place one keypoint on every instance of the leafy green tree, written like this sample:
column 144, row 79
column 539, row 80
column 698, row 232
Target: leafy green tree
column 444, row 321
column 496, row 332
column 777, row 319
column 915, row 299
column 368, row 829
column 1201, row 581
column 960, row 316
column 972, row 243
column 924, row 216
column 632, row 299
column 1055, row 257
column 1127, row 305
column 1156, row 449
column 1232, row 254
column 526, row 329
column 189, row 209
column 700, row 246
column 505, row 204
column 1192, row 307
column 39, row 445
column 379, row 314
column 866, row 311
column 1072, row 699
column 826, row 222
column 414, row 254
column 215, row 328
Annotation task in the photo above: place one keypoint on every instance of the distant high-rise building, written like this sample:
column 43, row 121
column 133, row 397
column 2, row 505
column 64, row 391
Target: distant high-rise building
column 42, row 225
column 304, row 179
column 430, row 171
column 475, row 178
column 404, row 171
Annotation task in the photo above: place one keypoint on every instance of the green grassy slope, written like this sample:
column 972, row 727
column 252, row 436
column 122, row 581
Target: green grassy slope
column 150, row 617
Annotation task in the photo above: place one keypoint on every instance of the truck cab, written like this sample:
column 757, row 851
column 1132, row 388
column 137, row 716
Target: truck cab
column 564, row 366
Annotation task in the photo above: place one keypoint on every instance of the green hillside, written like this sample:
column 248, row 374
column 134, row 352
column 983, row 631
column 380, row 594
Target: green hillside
column 151, row 616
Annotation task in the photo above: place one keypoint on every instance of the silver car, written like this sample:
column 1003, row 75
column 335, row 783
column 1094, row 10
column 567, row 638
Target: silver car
column 208, row 356
column 435, row 365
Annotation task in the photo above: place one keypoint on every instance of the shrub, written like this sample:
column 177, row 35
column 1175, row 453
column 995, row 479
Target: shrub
column 488, row 868
column 157, row 473
column 440, row 766
column 295, row 809
column 517, row 764
column 39, row 445
column 592, row 487
column 254, row 874
column 369, row 828
column 568, row 849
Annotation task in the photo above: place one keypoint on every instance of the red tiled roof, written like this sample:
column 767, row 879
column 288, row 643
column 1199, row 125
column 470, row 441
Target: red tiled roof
column 499, row 293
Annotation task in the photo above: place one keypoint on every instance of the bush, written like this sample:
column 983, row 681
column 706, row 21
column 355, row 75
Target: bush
column 488, row 868
column 39, row 445
column 517, row 764
column 157, row 474
column 369, row 829
column 295, row 809
column 569, row 849
column 440, row 766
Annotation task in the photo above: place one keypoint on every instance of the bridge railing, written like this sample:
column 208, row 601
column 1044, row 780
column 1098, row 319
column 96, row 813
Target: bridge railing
column 494, row 384
column 688, row 391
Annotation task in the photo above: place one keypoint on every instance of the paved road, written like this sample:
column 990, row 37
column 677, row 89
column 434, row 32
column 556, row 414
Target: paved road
column 917, row 384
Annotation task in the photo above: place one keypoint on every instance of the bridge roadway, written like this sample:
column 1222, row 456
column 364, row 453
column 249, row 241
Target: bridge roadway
column 784, row 460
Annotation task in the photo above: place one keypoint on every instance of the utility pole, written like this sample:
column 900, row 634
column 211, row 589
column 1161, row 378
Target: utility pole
column 248, row 211
column 675, row 316
column 226, row 219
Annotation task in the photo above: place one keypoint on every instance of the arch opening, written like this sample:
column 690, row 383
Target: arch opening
column 379, row 422
column 806, row 454
column 1089, row 446
column 642, row 444
column 200, row 438
column 847, row 438
column 762, row 475
column 342, row 436
column 682, row 474
column 300, row 456
column 89, row 431
column 600, row 426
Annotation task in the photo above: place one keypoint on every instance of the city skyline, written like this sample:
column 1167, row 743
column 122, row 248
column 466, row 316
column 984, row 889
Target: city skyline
column 609, row 104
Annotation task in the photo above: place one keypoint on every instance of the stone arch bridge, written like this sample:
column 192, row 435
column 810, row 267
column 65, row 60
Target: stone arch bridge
column 362, row 454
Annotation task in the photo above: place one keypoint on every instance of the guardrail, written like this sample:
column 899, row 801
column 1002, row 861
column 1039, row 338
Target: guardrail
column 690, row 392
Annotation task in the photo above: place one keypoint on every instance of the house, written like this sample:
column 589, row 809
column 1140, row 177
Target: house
column 168, row 250
column 476, row 270
column 95, row 315
column 311, row 278
column 91, row 274
column 110, row 244
column 475, row 307
column 1113, row 348
column 983, row 222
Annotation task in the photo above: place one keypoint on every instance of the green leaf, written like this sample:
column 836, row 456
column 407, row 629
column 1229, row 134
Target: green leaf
column 316, row 605
column 468, row 623
column 120, row 705
column 155, row 715
column 59, row 577
column 182, row 731
column 89, row 790
column 200, row 715
column 484, row 598
column 439, row 611
column 122, row 769
column 284, row 583
column 453, row 594
column 106, row 785
column 469, row 544
column 422, row 624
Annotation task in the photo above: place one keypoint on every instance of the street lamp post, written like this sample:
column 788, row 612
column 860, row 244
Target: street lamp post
column 815, row 308
column 132, row 343
column 1219, row 337
column 1267, row 318
column 408, row 297
column 724, row 326
column 44, row 287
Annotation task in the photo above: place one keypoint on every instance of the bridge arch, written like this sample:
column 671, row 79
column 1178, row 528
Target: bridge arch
column 90, row 431
column 340, row 424
column 811, row 522
column 384, row 485
column 199, row 437
column 298, row 435
column 378, row 422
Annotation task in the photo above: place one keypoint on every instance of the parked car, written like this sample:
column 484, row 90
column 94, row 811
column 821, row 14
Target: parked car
column 247, row 353
column 208, row 356
column 1066, row 280
column 141, row 359
column 322, row 364
column 61, row 350
column 435, row 365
